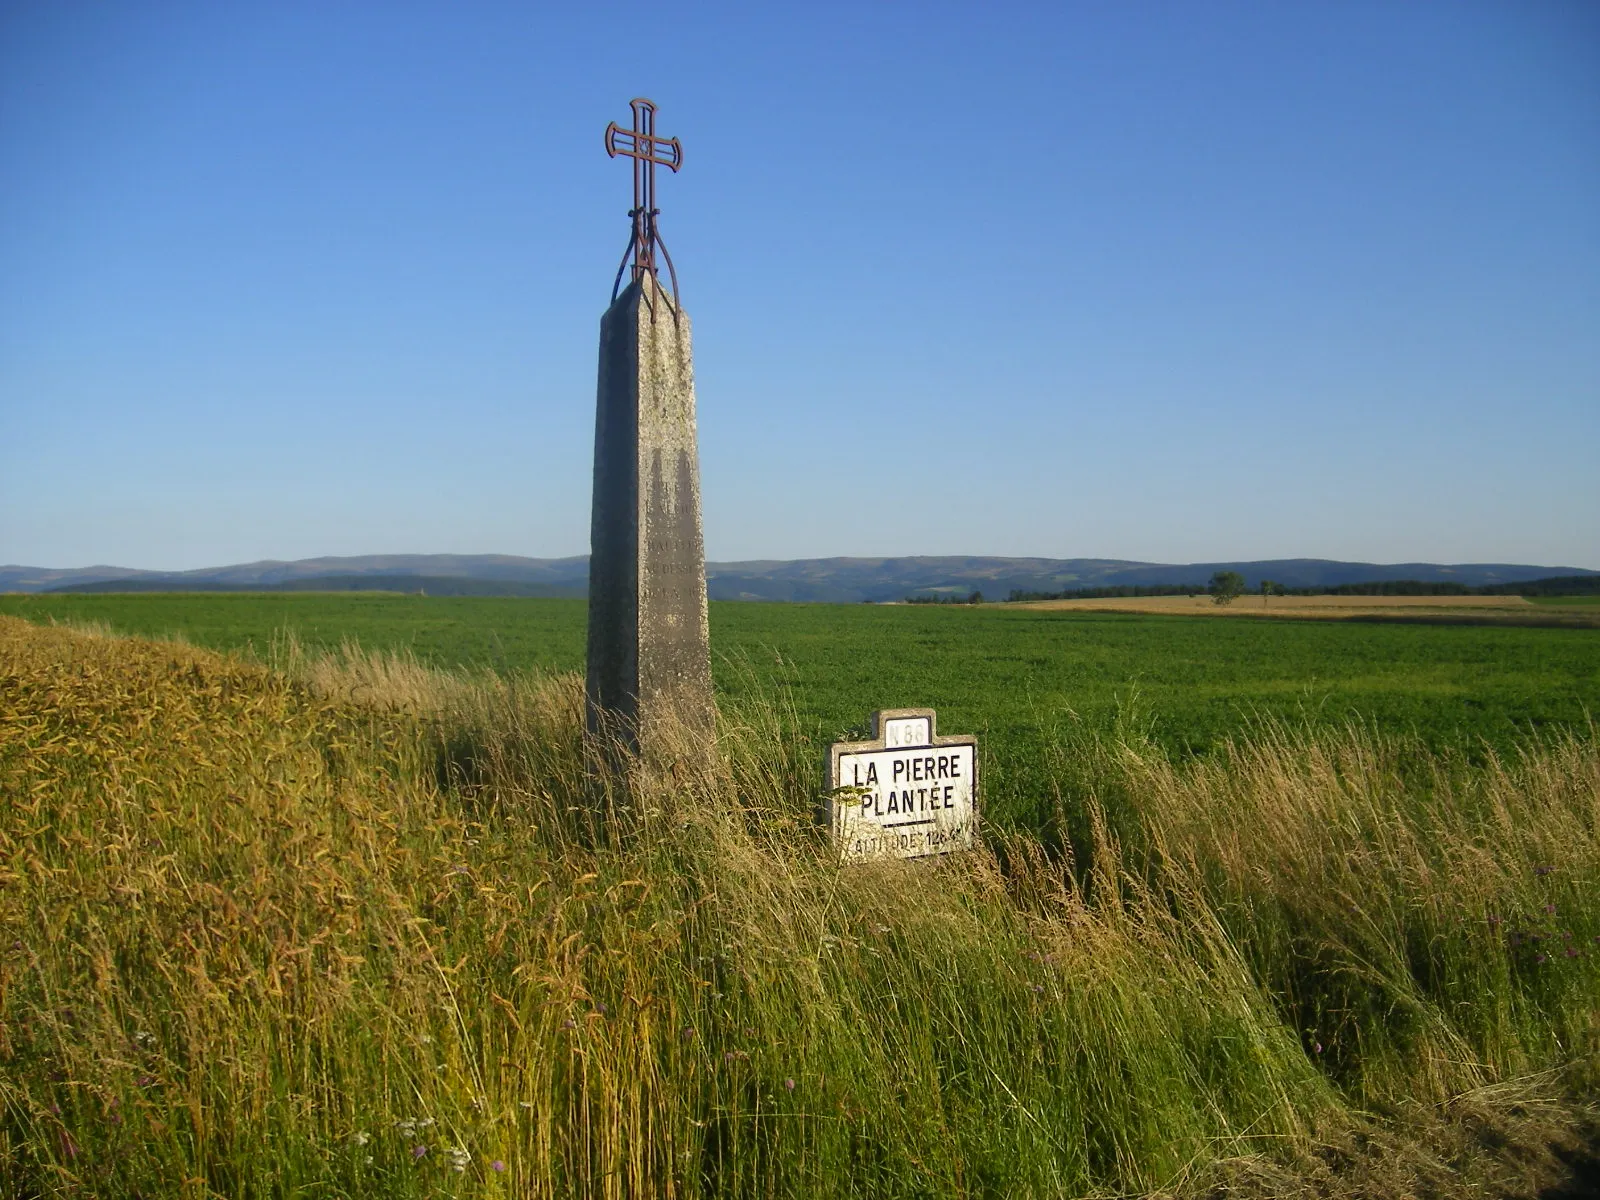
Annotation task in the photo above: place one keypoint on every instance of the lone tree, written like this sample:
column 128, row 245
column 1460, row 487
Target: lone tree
column 1226, row 586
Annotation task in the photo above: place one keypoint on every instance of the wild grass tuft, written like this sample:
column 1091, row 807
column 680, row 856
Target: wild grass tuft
column 349, row 926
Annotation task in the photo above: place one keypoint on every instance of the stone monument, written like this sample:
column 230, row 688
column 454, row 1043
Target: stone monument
column 649, row 659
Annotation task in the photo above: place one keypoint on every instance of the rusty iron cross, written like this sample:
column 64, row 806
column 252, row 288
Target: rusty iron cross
column 647, row 150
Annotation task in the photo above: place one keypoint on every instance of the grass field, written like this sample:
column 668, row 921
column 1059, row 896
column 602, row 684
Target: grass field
column 1023, row 678
column 1020, row 677
column 350, row 929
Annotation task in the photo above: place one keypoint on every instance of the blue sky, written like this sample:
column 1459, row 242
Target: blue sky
column 1173, row 282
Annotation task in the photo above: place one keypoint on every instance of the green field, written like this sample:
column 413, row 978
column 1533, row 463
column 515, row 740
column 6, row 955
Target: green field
column 1020, row 678
column 351, row 928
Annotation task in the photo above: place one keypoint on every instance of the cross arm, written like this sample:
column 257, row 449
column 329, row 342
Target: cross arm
column 668, row 152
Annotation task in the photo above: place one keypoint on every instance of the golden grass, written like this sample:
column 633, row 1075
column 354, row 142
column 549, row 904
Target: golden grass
column 274, row 932
column 1511, row 608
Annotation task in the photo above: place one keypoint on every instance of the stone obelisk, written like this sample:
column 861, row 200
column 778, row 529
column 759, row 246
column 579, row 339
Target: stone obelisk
column 649, row 662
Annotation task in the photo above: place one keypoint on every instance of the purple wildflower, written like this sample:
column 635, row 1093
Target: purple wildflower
column 1550, row 910
column 1539, row 958
column 497, row 1165
column 418, row 1151
column 788, row 1084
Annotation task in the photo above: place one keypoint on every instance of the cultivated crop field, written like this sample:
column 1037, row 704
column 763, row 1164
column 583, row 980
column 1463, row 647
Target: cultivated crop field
column 1505, row 610
column 1025, row 679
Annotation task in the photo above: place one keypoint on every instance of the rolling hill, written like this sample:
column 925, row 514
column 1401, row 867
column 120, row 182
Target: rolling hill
column 834, row 580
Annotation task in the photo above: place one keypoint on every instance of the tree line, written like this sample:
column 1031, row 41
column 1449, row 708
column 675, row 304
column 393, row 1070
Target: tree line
column 1108, row 593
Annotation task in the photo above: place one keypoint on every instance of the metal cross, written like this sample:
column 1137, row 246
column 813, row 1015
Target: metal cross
column 646, row 149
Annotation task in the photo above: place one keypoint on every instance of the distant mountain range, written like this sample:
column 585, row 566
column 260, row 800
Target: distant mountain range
column 837, row 580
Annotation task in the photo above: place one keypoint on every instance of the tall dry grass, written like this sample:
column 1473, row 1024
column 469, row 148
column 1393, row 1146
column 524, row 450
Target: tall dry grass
column 346, row 926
